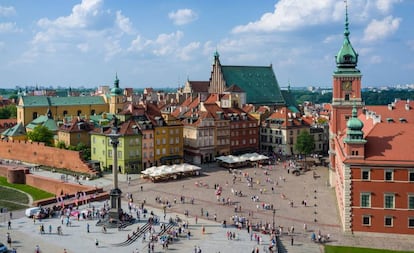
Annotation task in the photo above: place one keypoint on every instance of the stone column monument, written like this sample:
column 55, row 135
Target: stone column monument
column 115, row 193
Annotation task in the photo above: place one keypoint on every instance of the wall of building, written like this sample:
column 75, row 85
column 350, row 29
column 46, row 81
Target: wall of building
column 38, row 153
column 377, row 186
column 25, row 114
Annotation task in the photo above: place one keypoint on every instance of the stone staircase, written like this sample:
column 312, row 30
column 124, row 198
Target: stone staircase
column 284, row 246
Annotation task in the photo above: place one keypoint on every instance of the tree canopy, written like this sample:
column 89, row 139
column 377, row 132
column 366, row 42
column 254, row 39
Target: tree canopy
column 305, row 144
column 8, row 112
column 41, row 134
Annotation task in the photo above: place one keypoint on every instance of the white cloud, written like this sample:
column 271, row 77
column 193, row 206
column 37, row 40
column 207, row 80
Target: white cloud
column 186, row 53
column 166, row 43
column 81, row 17
column 183, row 16
column 136, row 45
column 291, row 14
column 123, row 23
column 87, row 28
column 7, row 11
column 331, row 38
column 9, row 27
column 385, row 5
column 380, row 29
column 112, row 48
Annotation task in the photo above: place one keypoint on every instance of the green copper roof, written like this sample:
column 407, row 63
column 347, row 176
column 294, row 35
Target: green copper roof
column 33, row 101
column 347, row 57
column 259, row 83
column 354, row 123
column 354, row 131
column 16, row 130
column 116, row 91
column 44, row 121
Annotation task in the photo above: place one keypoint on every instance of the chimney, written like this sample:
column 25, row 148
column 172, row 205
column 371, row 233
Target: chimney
column 407, row 107
column 390, row 106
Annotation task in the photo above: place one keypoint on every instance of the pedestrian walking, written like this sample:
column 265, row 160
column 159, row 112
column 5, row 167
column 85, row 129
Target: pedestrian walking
column 291, row 240
column 9, row 225
column 87, row 227
column 9, row 241
column 96, row 242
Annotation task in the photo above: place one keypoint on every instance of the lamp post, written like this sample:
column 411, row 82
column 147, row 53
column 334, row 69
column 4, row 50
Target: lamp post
column 274, row 212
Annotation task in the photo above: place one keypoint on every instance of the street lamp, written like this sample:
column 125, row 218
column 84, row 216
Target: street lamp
column 274, row 212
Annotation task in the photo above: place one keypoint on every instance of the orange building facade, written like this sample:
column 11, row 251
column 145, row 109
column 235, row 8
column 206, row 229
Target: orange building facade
column 371, row 159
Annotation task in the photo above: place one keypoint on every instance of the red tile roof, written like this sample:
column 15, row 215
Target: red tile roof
column 386, row 142
column 199, row 86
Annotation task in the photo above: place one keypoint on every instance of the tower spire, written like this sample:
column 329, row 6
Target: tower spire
column 346, row 32
column 347, row 57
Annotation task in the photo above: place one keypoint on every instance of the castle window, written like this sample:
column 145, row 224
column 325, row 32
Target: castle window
column 411, row 202
column 366, row 220
column 79, row 112
column 365, row 199
column 411, row 176
column 389, row 200
column 365, row 174
column 92, row 112
column 388, row 221
column 65, row 113
column 388, row 175
column 34, row 115
column 411, row 222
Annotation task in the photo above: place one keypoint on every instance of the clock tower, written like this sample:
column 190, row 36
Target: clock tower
column 346, row 84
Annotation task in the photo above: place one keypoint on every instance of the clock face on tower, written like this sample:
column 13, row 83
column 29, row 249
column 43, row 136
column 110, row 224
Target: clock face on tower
column 346, row 85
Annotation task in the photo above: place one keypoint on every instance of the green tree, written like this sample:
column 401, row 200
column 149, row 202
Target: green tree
column 305, row 144
column 8, row 112
column 61, row 145
column 41, row 134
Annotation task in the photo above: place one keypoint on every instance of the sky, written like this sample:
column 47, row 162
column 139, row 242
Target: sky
column 164, row 43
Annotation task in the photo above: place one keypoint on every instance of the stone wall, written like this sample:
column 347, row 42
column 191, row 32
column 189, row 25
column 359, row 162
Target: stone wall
column 55, row 186
column 38, row 153
column 21, row 175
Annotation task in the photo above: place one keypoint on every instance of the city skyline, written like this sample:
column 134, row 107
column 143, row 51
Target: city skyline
column 164, row 43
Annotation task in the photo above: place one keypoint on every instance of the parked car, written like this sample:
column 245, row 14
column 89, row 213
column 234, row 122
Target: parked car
column 32, row 211
column 40, row 215
column 3, row 248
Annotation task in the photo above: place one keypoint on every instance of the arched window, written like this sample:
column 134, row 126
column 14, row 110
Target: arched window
column 93, row 112
column 79, row 112
column 34, row 115
column 65, row 113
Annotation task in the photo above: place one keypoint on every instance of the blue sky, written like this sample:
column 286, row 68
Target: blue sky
column 162, row 43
